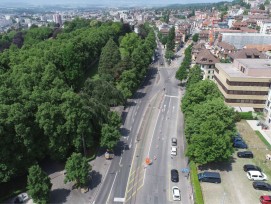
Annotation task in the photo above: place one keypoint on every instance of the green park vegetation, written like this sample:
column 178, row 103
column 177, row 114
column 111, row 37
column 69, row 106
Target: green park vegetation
column 195, row 183
column 50, row 108
column 182, row 72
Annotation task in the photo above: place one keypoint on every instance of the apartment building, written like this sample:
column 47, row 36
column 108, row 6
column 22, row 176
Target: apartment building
column 245, row 82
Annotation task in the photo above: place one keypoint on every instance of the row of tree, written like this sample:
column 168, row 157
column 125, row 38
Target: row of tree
column 209, row 123
column 46, row 108
column 170, row 46
column 182, row 72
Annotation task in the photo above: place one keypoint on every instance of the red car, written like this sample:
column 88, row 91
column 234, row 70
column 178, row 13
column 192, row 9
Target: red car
column 265, row 199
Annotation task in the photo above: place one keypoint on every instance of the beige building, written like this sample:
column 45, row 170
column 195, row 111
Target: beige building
column 245, row 82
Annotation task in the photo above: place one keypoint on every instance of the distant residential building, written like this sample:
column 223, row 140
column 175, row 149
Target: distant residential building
column 196, row 49
column 239, row 40
column 224, row 49
column 57, row 19
column 265, row 27
column 245, row 82
column 206, row 60
column 260, row 48
column 164, row 29
column 251, row 53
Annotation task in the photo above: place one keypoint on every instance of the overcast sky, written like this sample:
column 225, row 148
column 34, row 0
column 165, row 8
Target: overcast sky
column 107, row 2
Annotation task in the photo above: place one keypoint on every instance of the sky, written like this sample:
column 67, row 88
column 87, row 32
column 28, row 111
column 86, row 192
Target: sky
column 106, row 2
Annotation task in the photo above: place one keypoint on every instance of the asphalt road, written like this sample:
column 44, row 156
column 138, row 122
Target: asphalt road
column 151, row 118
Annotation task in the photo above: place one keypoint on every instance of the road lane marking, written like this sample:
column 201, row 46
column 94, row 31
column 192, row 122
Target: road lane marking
column 111, row 187
column 120, row 160
column 136, row 184
column 136, row 176
column 171, row 96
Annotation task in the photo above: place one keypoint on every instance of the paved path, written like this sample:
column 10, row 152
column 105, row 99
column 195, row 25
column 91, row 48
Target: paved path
column 265, row 133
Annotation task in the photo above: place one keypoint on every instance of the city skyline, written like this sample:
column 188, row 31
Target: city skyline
column 103, row 2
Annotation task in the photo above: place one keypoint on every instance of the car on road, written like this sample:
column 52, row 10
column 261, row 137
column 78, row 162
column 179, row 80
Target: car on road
column 21, row 198
column 265, row 199
column 174, row 141
column 176, row 195
column 259, row 185
column 245, row 154
column 173, row 151
column 256, row 176
column 239, row 144
column 250, row 167
column 174, row 175
column 211, row 177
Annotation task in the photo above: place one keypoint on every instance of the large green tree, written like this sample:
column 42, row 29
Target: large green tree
column 109, row 57
column 199, row 93
column 195, row 37
column 209, row 129
column 38, row 185
column 77, row 170
column 194, row 76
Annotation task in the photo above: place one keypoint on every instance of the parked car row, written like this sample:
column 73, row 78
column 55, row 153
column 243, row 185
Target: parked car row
column 176, row 193
column 254, row 173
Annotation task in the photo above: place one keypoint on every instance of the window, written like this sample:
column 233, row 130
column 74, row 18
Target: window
column 210, row 66
column 209, row 72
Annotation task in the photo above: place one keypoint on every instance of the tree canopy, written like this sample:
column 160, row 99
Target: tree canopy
column 77, row 170
column 38, row 185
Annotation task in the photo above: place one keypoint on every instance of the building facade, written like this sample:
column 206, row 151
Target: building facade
column 245, row 82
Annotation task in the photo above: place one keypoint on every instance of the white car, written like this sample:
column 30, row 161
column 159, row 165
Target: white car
column 173, row 151
column 176, row 195
column 21, row 198
column 256, row 175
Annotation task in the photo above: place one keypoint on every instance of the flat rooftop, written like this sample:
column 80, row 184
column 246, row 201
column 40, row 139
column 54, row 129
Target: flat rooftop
column 231, row 69
column 256, row 63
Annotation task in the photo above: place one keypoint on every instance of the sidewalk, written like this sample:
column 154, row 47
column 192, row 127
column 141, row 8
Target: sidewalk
column 266, row 133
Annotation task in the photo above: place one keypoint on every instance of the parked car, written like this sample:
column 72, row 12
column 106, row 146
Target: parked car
column 245, row 154
column 174, row 175
column 21, row 198
column 256, row 176
column 240, row 144
column 250, row 167
column 259, row 185
column 173, row 151
column 211, row 177
column 176, row 195
column 265, row 199
column 174, row 141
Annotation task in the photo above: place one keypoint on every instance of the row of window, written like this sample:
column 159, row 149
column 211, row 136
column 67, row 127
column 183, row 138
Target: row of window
column 241, row 83
column 241, row 92
column 245, row 101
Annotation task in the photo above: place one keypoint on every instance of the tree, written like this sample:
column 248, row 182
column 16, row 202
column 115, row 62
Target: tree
column 171, row 39
column 199, row 93
column 77, row 168
column 267, row 2
column 195, row 37
column 110, row 56
column 209, row 129
column 261, row 7
column 38, row 185
column 194, row 76
column 110, row 136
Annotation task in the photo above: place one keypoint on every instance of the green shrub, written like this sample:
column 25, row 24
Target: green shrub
column 195, row 183
column 246, row 115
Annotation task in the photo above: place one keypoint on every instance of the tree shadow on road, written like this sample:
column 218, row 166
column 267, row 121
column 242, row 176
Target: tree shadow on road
column 50, row 166
column 95, row 179
column 59, row 195
column 219, row 166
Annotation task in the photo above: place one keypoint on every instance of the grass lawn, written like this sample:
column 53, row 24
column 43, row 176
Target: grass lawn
column 257, row 144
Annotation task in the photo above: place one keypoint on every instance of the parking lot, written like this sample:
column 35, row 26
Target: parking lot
column 235, row 186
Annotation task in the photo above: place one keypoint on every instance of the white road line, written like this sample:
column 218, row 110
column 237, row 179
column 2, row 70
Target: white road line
column 120, row 160
column 111, row 187
column 130, row 145
column 171, row 96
